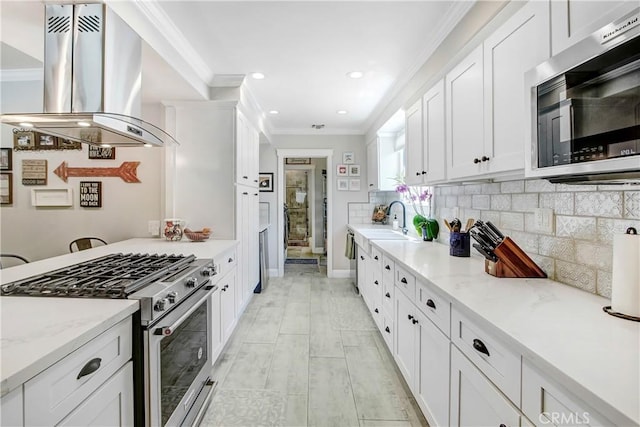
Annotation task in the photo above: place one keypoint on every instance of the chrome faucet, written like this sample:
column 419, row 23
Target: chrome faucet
column 404, row 215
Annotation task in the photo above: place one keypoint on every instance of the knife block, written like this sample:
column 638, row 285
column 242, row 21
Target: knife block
column 512, row 262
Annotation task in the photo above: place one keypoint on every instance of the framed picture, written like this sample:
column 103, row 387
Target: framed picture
column 354, row 185
column 24, row 140
column 6, row 188
column 348, row 157
column 6, row 159
column 354, row 170
column 34, row 172
column 67, row 144
column 343, row 184
column 91, row 194
column 297, row 161
column 265, row 181
column 342, row 170
column 108, row 153
column 46, row 142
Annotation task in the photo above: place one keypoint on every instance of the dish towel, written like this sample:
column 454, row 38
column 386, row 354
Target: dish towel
column 350, row 248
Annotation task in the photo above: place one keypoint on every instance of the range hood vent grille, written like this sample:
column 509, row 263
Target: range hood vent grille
column 59, row 24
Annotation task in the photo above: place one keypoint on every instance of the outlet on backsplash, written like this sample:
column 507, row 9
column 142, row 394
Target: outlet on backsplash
column 153, row 227
column 543, row 220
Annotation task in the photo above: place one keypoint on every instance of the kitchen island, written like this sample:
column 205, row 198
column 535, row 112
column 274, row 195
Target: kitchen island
column 37, row 331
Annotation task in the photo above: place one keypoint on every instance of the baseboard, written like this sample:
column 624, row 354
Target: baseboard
column 273, row 272
column 340, row 274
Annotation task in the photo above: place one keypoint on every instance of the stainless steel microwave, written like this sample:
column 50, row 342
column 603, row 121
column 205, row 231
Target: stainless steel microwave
column 585, row 108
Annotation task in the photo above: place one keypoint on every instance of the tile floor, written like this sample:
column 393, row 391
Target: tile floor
column 306, row 352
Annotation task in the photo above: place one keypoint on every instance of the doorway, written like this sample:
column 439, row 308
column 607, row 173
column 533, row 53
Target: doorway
column 304, row 198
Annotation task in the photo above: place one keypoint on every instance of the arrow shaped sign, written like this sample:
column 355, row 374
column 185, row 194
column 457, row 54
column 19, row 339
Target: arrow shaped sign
column 126, row 171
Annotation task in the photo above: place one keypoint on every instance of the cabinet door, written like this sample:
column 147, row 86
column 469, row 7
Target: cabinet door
column 474, row 400
column 110, row 405
column 244, row 195
column 216, row 325
column 254, row 242
column 434, row 123
column 11, row 408
column 465, row 125
column 227, row 303
column 373, row 183
column 516, row 47
column 362, row 274
column 413, row 144
column 247, row 152
column 573, row 20
column 432, row 381
column 405, row 350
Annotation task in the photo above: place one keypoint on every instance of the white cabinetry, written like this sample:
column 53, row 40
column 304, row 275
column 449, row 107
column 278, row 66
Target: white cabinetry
column 11, row 408
column 91, row 386
column 517, row 46
column 485, row 96
column 373, row 177
column 474, row 400
column 228, row 303
column 413, row 144
column 421, row 352
column 216, row 326
column 248, row 249
column 573, row 20
column 247, row 152
column 383, row 162
column 465, row 117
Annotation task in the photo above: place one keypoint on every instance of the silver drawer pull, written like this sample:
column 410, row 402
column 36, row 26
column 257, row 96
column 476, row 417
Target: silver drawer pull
column 91, row 366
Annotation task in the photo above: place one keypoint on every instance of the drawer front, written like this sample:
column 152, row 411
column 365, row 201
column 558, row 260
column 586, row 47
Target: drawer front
column 387, row 331
column 434, row 306
column 501, row 365
column 388, row 269
column 406, row 282
column 227, row 261
column 387, row 296
column 376, row 257
column 56, row 391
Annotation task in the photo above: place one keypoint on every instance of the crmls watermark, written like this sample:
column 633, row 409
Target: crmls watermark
column 562, row 418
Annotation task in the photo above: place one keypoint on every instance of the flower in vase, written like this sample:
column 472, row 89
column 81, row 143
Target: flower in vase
column 415, row 197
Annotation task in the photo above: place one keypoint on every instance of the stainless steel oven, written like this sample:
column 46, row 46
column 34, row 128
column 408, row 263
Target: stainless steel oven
column 177, row 362
column 585, row 108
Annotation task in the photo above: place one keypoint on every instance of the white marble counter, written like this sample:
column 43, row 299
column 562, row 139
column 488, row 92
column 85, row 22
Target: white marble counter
column 36, row 332
column 561, row 329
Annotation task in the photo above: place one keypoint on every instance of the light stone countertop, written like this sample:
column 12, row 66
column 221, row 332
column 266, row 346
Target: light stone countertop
column 561, row 329
column 37, row 332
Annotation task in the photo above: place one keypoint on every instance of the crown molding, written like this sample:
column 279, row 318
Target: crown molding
column 21, row 75
column 307, row 131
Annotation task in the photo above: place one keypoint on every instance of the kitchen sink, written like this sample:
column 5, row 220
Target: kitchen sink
column 384, row 234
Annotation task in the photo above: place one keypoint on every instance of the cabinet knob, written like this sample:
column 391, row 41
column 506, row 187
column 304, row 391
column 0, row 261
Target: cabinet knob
column 370, row 185
column 480, row 347
column 409, row 316
column 387, row 329
column 245, row 193
column 414, row 321
column 404, row 280
column 424, row 172
column 375, row 257
column 375, row 281
column 387, row 267
column 431, row 304
column 388, row 295
column 503, row 425
column 376, row 310
column 485, row 159
column 91, row 366
column 361, row 257
column 245, row 177
column 476, row 160
column 417, row 173
column 230, row 260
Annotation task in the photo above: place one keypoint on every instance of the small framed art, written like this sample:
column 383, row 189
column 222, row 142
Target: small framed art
column 265, row 181
column 354, row 170
column 348, row 157
column 6, row 159
column 342, row 170
column 343, row 184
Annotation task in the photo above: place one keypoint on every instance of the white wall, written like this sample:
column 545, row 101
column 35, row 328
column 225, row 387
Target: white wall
column 338, row 209
column 38, row 233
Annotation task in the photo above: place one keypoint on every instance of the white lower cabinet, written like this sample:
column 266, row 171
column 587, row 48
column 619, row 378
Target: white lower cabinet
column 421, row 352
column 11, row 408
column 475, row 401
column 216, row 325
column 110, row 405
column 227, row 287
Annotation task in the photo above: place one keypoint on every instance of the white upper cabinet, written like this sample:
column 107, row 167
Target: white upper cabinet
column 518, row 45
column 372, row 166
column 247, row 152
column 383, row 160
column 433, row 127
column 573, row 20
column 413, row 144
column 465, row 116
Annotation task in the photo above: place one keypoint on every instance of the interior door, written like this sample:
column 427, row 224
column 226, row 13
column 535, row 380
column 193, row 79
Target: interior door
column 297, row 194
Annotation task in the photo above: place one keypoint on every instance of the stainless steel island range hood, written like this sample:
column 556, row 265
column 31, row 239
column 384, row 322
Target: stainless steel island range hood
column 92, row 80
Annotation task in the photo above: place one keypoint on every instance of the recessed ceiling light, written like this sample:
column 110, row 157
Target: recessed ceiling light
column 148, row 145
column 257, row 76
column 274, row 112
column 355, row 74
column 26, row 125
column 84, row 124
column 342, row 112
column 105, row 145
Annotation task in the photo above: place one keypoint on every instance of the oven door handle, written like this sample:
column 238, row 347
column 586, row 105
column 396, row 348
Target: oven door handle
column 168, row 330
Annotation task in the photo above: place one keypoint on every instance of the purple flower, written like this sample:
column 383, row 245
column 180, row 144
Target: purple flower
column 425, row 195
column 402, row 188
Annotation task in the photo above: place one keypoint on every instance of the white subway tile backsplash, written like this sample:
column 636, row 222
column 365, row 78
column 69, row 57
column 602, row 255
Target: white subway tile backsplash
column 470, row 213
column 464, row 201
column 481, row 202
column 493, row 188
column 445, row 191
column 493, row 216
column 528, row 242
column 576, row 227
column 558, row 248
column 539, row 186
column 576, row 275
column 524, row 202
column 451, row 201
column 473, row 189
column 511, row 221
column 608, row 227
column 606, row 204
column 632, row 204
column 501, row 202
column 561, row 203
column 603, row 283
column 594, row 255
column 571, row 188
column 512, row 187
column 548, row 265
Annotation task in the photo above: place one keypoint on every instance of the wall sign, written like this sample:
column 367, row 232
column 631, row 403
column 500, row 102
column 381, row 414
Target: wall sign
column 91, row 194
column 96, row 152
column 6, row 188
column 127, row 171
column 34, row 172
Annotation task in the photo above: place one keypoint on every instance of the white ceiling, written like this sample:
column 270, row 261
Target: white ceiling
column 305, row 49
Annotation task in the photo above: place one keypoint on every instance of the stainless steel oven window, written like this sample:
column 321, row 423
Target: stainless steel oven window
column 178, row 360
